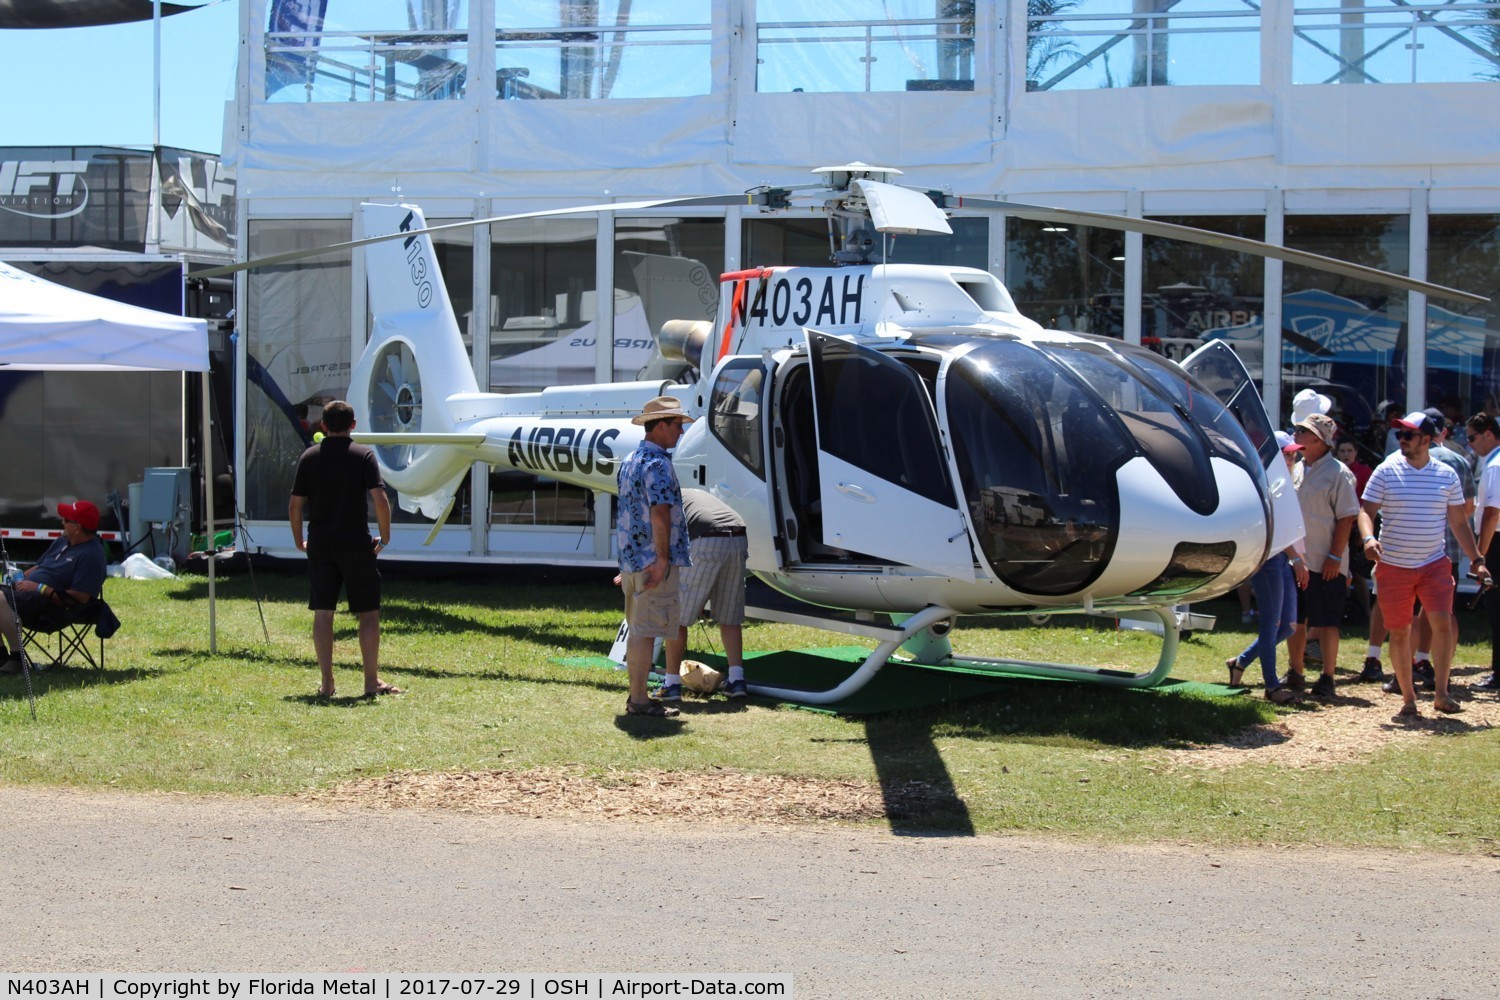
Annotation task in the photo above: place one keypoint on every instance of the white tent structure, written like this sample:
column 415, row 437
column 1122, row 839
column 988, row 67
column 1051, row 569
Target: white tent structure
column 47, row 327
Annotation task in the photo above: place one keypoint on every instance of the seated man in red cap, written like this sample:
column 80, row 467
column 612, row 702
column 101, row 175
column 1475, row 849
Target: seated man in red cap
column 71, row 572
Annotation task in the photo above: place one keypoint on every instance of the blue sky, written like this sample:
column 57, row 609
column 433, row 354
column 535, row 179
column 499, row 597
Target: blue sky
column 92, row 86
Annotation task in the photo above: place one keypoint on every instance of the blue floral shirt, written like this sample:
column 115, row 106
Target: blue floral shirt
column 646, row 479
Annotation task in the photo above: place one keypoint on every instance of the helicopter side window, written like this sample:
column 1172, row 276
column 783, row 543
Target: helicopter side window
column 1036, row 454
column 1229, row 425
column 874, row 413
column 735, row 412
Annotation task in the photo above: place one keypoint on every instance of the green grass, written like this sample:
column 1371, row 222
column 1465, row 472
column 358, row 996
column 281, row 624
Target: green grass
column 481, row 660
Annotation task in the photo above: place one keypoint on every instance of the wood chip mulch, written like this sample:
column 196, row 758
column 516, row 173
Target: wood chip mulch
column 1347, row 728
column 714, row 795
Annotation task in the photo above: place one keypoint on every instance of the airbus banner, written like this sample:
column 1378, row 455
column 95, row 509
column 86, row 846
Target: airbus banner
column 101, row 196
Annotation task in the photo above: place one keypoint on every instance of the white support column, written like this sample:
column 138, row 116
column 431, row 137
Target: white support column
column 1134, row 269
column 1416, row 305
column 479, row 472
column 1270, row 321
column 604, row 299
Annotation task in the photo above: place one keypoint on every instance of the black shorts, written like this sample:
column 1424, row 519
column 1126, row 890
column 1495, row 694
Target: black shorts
column 34, row 610
column 350, row 569
column 1321, row 605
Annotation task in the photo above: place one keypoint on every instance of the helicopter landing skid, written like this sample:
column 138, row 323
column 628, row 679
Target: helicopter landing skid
column 930, row 646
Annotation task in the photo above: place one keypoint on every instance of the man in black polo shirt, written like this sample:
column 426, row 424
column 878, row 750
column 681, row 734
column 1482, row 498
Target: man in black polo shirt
column 70, row 572
column 334, row 477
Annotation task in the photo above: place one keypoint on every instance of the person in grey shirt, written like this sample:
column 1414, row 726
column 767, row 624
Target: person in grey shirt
column 719, row 549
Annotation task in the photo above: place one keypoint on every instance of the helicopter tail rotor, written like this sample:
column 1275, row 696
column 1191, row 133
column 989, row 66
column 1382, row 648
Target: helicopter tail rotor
column 415, row 361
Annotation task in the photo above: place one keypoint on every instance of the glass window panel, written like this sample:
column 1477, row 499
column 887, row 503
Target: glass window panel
column 297, row 340
column 665, row 268
column 1463, row 340
column 854, row 46
column 543, row 331
column 366, row 50
column 1091, row 44
column 1396, row 42
column 1344, row 337
column 609, row 49
column 1067, row 277
column 1195, row 293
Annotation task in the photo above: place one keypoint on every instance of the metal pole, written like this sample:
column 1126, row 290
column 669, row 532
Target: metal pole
column 209, row 546
column 155, row 74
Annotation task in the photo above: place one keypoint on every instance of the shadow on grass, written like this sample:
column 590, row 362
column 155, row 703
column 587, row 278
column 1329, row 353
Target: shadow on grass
column 644, row 727
column 920, row 799
column 61, row 678
column 599, row 681
column 344, row 701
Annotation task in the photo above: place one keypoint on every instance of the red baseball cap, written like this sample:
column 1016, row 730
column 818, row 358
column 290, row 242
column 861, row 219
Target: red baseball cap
column 83, row 512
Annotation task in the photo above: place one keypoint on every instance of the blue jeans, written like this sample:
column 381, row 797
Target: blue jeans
column 1275, row 592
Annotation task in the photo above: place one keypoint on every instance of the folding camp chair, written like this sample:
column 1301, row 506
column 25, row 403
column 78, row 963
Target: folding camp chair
column 68, row 628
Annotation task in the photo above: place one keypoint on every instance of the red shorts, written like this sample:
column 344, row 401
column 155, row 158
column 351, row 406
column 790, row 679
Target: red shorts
column 1400, row 587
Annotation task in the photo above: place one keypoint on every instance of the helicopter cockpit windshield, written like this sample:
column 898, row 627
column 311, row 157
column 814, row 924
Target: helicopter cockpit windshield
column 1040, row 433
column 1036, row 453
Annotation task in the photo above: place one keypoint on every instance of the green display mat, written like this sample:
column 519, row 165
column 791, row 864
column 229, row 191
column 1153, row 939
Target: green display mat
column 897, row 686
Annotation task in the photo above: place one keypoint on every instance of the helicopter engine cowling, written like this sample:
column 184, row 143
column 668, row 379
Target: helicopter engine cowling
column 683, row 340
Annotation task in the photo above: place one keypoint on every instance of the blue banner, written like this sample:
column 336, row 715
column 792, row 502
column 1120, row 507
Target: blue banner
column 293, row 17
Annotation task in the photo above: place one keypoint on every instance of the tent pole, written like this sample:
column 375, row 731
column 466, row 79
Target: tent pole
column 209, row 545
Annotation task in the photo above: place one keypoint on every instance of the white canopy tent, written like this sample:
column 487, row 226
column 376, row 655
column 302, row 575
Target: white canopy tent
column 45, row 326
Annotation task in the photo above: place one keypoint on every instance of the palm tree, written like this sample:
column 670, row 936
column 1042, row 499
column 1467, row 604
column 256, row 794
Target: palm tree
column 1043, row 48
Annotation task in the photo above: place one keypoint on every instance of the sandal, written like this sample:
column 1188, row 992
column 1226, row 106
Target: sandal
column 650, row 708
column 384, row 688
column 1409, row 712
column 1448, row 707
column 1280, row 696
column 1236, row 672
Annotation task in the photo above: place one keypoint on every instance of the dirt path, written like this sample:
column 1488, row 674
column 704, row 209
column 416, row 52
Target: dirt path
column 158, row 883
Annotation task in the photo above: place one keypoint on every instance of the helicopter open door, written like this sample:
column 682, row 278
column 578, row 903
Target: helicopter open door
column 1222, row 372
column 885, row 488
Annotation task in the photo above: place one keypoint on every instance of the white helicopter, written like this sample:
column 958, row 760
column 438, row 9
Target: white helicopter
column 899, row 439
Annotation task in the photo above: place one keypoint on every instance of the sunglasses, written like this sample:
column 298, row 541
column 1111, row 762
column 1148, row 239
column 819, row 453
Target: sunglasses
column 1405, row 435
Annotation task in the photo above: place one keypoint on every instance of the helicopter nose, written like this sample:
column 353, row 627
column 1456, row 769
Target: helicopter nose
column 1166, row 550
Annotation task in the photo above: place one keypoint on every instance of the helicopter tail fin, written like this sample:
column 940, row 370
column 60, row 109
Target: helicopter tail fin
column 414, row 362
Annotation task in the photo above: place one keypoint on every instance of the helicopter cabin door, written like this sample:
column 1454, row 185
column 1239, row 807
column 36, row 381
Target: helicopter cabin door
column 1220, row 370
column 885, row 488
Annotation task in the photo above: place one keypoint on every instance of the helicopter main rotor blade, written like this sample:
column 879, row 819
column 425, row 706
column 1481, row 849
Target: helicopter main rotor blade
column 1172, row 231
column 750, row 198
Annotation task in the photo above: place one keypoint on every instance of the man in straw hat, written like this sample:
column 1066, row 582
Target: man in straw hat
column 1325, row 492
column 651, row 535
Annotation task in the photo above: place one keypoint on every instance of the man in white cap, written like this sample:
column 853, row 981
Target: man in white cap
column 1416, row 498
column 651, row 536
column 1325, row 492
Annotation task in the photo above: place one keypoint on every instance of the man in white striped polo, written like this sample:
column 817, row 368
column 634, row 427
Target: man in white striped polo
column 1417, row 498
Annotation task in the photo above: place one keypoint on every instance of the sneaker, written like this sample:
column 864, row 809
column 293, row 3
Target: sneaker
column 1323, row 686
column 1372, row 674
column 1295, row 680
column 736, row 689
column 1391, row 687
column 1489, row 682
column 670, row 692
column 1247, row 617
column 1422, row 673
